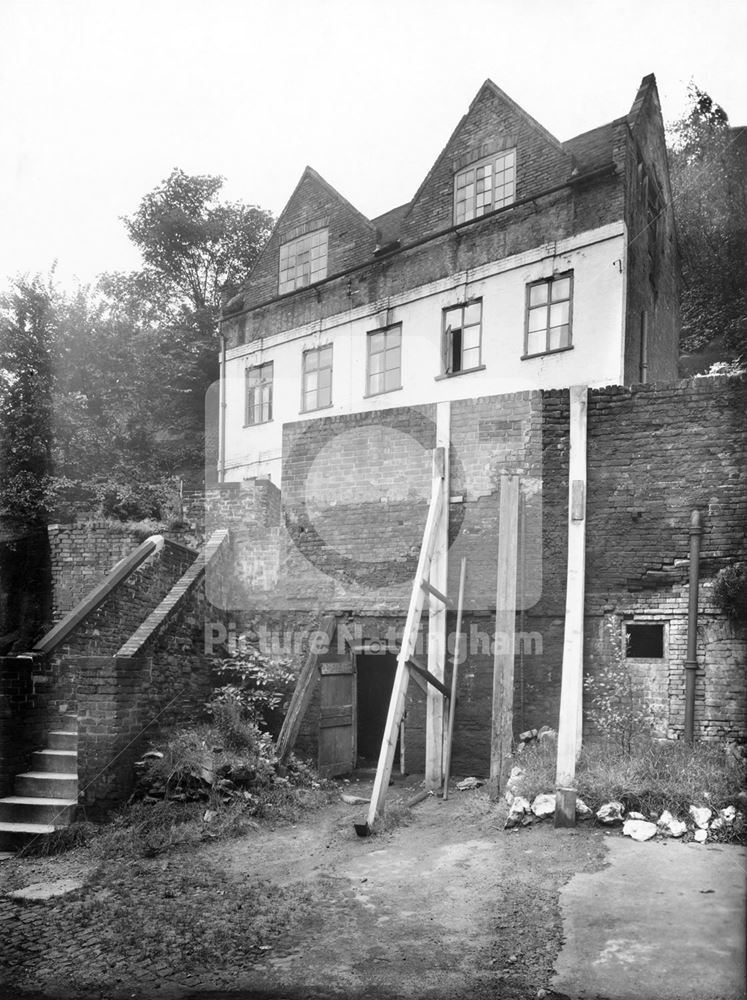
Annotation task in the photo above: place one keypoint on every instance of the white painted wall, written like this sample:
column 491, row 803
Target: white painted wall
column 596, row 357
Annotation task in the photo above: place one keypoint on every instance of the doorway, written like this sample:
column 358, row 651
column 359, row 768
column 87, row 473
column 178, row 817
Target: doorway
column 375, row 683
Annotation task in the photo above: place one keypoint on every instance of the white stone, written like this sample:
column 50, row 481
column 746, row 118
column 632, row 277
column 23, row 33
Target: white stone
column 700, row 836
column 728, row 815
column 582, row 809
column 717, row 824
column 611, row 812
column 41, row 891
column 639, row 829
column 519, row 808
column 674, row 828
column 665, row 819
column 544, row 804
column 636, row 815
column 701, row 816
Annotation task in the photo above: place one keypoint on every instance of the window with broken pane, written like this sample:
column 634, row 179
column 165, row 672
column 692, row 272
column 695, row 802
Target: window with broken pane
column 303, row 261
column 485, row 186
column 462, row 337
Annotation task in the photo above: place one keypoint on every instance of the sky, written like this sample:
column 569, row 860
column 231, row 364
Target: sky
column 101, row 100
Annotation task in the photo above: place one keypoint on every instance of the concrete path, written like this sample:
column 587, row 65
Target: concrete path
column 664, row 920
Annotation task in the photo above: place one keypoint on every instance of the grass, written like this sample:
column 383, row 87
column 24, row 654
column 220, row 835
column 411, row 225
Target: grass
column 654, row 776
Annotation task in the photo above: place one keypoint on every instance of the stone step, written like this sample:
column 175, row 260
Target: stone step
column 69, row 723
column 42, row 784
column 62, row 740
column 28, row 809
column 13, row 836
column 59, row 761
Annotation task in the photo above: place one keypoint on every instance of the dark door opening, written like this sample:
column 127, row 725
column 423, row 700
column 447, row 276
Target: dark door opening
column 375, row 682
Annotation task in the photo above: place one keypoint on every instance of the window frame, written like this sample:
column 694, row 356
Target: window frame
column 306, row 354
column 251, row 390
column 492, row 160
column 528, row 308
column 447, row 340
column 291, row 285
column 629, row 624
column 385, row 330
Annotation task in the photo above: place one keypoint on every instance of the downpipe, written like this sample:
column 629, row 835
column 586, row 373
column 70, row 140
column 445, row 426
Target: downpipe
column 691, row 663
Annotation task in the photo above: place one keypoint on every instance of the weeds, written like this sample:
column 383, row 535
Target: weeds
column 653, row 776
column 67, row 838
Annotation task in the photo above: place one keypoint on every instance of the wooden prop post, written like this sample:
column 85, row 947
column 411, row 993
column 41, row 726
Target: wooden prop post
column 436, row 585
column 572, row 681
column 407, row 649
column 505, row 625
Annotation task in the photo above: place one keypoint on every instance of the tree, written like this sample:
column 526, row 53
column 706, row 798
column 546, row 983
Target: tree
column 194, row 246
column 709, row 185
column 27, row 335
column 195, row 243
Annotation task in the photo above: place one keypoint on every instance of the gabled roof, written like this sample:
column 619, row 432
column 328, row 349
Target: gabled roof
column 489, row 85
column 646, row 90
column 388, row 224
column 310, row 174
column 591, row 149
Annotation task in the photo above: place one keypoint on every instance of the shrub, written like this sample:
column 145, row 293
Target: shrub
column 613, row 705
column 262, row 685
column 730, row 591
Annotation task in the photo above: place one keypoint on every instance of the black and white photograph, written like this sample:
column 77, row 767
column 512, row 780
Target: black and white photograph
column 373, row 500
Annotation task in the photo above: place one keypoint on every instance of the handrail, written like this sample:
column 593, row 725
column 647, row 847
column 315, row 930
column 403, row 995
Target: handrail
column 98, row 595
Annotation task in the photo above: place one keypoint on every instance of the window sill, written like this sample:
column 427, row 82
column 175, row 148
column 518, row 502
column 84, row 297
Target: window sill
column 258, row 423
column 465, row 371
column 317, row 409
column 384, row 392
column 543, row 354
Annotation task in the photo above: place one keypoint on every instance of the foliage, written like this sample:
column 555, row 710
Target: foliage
column 661, row 774
column 653, row 776
column 709, row 187
column 261, row 684
column 102, row 389
column 196, row 243
column 27, row 348
column 730, row 591
column 615, row 708
column 66, row 838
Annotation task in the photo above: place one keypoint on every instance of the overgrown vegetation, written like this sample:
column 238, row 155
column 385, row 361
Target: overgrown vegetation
column 652, row 776
column 730, row 591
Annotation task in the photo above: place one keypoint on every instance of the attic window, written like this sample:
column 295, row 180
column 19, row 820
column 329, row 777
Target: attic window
column 485, row 186
column 303, row 261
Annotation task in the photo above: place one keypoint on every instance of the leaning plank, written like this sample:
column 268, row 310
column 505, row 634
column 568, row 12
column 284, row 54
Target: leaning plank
column 302, row 694
column 454, row 677
column 409, row 639
column 505, row 624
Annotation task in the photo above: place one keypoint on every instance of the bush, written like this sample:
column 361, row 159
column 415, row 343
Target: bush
column 730, row 591
column 262, row 685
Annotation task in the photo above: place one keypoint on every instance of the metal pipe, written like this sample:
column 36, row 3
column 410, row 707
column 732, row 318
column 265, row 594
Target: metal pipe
column 691, row 663
column 222, row 412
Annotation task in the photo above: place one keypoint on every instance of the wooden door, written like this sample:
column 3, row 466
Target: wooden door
column 337, row 750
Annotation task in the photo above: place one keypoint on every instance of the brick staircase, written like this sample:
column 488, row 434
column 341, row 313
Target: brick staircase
column 46, row 796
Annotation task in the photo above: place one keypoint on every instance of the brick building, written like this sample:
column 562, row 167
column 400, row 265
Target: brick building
column 521, row 262
column 521, row 266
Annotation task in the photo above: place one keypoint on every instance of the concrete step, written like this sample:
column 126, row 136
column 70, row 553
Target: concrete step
column 28, row 809
column 42, row 784
column 62, row 740
column 59, row 761
column 13, row 836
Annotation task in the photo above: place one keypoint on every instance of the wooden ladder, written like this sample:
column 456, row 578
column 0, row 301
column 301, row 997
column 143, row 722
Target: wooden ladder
column 406, row 659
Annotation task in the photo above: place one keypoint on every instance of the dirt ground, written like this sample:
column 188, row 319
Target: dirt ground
column 447, row 905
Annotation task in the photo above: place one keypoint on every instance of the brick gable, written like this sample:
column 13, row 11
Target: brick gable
column 493, row 122
column 313, row 205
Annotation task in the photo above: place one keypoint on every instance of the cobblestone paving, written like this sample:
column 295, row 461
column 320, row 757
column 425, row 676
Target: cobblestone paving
column 137, row 927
